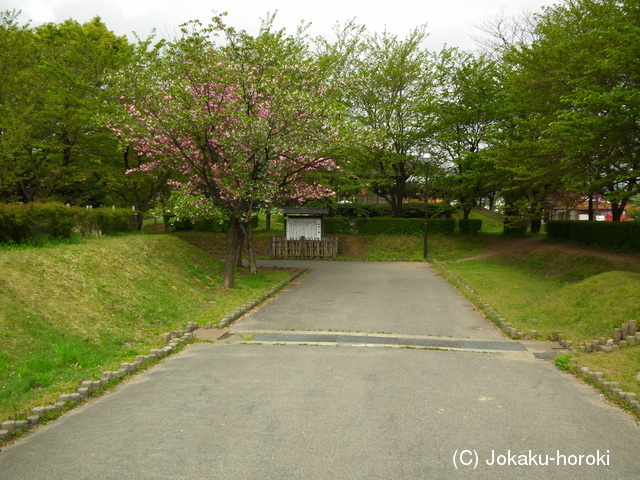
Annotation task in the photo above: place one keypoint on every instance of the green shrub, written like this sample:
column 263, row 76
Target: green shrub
column 210, row 225
column 377, row 210
column 202, row 225
column 404, row 226
column 434, row 210
column 563, row 361
column 515, row 225
column 36, row 221
column 333, row 225
column 14, row 224
column 362, row 210
column 558, row 229
column 624, row 236
column 108, row 220
column 469, row 225
column 441, row 226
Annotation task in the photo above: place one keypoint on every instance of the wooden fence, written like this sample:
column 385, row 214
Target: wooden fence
column 280, row 247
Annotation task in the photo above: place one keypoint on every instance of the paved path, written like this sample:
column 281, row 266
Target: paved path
column 402, row 298
column 248, row 410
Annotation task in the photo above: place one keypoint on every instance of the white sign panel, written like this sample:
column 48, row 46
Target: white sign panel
column 309, row 228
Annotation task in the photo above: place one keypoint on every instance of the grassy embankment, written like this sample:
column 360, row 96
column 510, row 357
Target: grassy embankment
column 554, row 289
column 72, row 310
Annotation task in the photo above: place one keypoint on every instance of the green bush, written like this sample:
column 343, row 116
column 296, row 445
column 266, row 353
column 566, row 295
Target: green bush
column 110, row 220
column 441, row 226
column 210, row 225
column 404, row 226
column 624, row 236
column 14, row 223
column 333, row 225
column 21, row 223
column 434, row 210
column 558, row 229
column 377, row 210
column 469, row 225
column 362, row 210
column 202, row 225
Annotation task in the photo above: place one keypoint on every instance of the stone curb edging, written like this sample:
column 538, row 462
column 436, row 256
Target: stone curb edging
column 498, row 319
column 611, row 388
column 236, row 314
column 173, row 340
column 627, row 334
column 68, row 400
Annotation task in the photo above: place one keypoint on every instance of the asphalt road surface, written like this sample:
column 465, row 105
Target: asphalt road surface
column 334, row 401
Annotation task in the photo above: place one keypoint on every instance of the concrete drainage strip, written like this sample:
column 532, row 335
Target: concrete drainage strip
column 350, row 339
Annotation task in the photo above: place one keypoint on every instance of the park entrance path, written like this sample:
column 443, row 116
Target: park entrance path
column 244, row 408
column 373, row 297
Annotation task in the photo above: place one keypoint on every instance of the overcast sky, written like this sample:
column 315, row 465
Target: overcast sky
column 450, row 22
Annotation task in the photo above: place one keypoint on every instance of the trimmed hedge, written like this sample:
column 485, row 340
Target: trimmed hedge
column 333, row 225
column 434, row 210
column 404, row 226
column 209, row 225
column 361, row 210
column 375, row 210
column 624, row 236
column 470, row 225
column 28, row 222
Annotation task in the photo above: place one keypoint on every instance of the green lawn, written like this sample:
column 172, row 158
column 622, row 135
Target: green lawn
column 583, row 310
column 73, row 310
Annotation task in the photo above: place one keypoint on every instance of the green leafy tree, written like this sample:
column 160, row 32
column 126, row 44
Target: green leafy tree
column 17, row 57
column 603, row 102
column 462, row 115
column 571, row 110
column 242, row 125
column 51, row 137
column 383, row 81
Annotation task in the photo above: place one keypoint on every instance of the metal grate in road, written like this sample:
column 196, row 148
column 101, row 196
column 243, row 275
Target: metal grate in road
column 368, row 340
column 545, row 355
column 430, row 342
column 378, row 340
column 477, row 344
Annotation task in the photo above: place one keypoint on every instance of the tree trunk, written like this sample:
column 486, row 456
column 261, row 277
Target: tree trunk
column 253, row 266
column 268, row 221
column 536, row 225
column 617, row 209
column 134, row 192
column 466, row 211
column 396, row 198
column 591, row 216
column 396, row 207
column 234, row 235
column 240, row 246
column 492, row 199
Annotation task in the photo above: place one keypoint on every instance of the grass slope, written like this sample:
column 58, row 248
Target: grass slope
column 591, row 308
column 554, row 289
column 71, row 311
column 580, row 293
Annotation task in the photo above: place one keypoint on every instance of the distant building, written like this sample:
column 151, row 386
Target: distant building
column 602, row 211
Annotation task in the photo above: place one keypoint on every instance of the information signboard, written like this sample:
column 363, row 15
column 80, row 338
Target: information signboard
column 309, row 228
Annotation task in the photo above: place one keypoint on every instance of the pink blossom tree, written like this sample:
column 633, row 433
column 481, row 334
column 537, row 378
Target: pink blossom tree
column 241, row 125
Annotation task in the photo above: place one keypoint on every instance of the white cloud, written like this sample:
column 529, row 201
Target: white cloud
column 452, row 22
